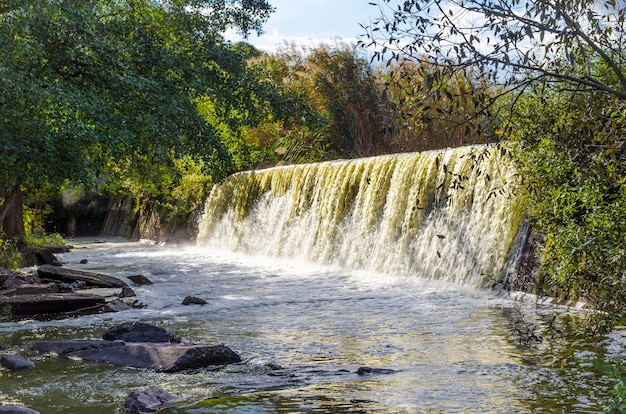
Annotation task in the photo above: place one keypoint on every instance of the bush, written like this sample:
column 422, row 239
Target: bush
column 570, row 149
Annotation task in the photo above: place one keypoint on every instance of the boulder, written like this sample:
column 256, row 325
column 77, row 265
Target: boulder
column 56, row 249
column 16, row 362
column 140, row 402
column 192, row 300
column 69, row 276
column 40, row 256
column 50, row 303
column 140, row 280
column 138, row 332
column 161, row 357
column 65, row 347
column 16, row 409
column 11, row 280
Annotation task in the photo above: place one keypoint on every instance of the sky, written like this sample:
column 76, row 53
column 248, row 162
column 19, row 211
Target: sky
column 311, row 22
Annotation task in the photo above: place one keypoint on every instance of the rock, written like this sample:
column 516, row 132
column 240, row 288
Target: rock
column 374, row 371
column 140, row 280
column 127, row 292
column 192, row 300
column 12, row 280
column 84, row 261
column 56, row 249
column 50, row 303
column 140, row 402
column 38, row 289
column 116, row 305
column 161, row 357
column 65, row 347
column 138, row 332
column 39, row 256
column 16, row 409
column 16, row 363
column 68, row 275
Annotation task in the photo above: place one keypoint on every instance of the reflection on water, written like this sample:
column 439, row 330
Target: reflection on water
column 303, row 331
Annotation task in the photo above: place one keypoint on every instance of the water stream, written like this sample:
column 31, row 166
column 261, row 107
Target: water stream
column 303, row 331
column 311, row 272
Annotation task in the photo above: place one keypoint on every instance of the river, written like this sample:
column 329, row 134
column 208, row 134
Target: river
column 303, row 330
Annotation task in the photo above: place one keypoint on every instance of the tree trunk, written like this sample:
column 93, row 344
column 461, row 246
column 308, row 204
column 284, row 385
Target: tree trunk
column 12, row 214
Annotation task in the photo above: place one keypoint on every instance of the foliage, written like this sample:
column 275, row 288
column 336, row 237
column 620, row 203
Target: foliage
column 571, row 153
column 96, row 85
column 615, row 403
column 419, row 119
column 330, row 104
column 510, row 42
column 10, row 256
column 502, row 48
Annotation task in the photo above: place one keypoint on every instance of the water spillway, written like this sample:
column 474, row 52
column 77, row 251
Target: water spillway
column 449, row 215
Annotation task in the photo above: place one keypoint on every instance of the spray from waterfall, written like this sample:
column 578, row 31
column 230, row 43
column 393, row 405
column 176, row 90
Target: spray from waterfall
column 450, row 215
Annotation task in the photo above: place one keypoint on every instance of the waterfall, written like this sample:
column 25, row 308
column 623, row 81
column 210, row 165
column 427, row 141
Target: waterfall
column 450, row 215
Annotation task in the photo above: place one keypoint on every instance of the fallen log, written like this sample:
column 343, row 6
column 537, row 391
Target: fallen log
column 69, row 275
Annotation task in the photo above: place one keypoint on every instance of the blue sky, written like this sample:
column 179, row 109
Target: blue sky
column 311, row 22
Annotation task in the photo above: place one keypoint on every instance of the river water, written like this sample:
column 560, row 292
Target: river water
column 303, row 330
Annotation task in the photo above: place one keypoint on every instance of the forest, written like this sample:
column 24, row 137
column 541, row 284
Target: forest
column 147, row 99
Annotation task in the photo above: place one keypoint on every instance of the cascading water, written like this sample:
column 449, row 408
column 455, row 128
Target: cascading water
column 449, row 215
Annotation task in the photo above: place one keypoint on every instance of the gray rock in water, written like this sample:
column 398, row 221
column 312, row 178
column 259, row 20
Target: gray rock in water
column 116, row 305
column 65, row 347
column 16, row 409
column 138, row 332
column 141, row 402
column 160, row 357
column 192, row 300
column 16, row 363
column 69, row 276
column 51, row 303
column 127, row 292
column 140, row 280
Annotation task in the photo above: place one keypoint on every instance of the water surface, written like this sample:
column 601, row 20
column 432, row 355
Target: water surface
column 303, row 331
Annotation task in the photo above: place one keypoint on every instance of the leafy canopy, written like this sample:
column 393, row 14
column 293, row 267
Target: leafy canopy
column 90, row 84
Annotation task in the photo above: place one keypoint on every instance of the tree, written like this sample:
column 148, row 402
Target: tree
column 511, row 42
column 90, row 84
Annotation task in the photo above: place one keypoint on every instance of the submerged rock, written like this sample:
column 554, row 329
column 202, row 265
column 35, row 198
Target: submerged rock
column 138, row 332
column 140, row 402
column 16, row 409
column 374, row 371
column 160, row 357
column 16, row 362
